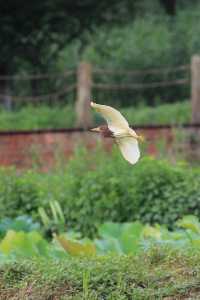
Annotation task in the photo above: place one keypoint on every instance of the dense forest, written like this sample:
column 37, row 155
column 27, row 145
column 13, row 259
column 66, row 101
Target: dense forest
column 35, row 33
column 55, row 35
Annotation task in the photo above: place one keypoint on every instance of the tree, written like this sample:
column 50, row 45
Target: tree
column 170, row 6
column 29, row 28
column 34, row 31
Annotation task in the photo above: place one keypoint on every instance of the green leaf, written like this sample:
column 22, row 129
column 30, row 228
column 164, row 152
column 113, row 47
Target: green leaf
column 110, row 229
column 22, row 243
column 130, row 237
column 189, row 222
column 76, row 248
column 151, row 232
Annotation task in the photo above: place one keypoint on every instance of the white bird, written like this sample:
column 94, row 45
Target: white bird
column 118, row 128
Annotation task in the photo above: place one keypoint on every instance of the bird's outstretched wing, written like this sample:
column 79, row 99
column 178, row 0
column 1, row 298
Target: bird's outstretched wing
column 129, row 148
column 116, row 122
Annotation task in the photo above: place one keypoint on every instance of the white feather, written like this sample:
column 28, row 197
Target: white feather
column 125, row 137
column 116, row 122
column 129, row 148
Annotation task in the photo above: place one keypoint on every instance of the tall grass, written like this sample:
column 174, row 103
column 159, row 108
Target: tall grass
column 44, row 117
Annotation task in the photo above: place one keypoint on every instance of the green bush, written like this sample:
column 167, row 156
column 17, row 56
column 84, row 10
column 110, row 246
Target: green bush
column 151, row 191
column 166, row 193
column 40, row 117
column 177, row 113
column 19, row 194
column 64, row 117
column 97, row 186
column 146, row 43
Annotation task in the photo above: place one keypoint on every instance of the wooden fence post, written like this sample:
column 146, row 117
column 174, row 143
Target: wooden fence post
column 84, row 86
column 195, row 89
column 192, row 150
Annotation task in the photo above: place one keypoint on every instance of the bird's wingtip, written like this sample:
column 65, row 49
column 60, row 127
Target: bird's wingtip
column 92, row 103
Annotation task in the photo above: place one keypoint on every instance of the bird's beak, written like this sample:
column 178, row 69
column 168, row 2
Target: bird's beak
column 97, row 129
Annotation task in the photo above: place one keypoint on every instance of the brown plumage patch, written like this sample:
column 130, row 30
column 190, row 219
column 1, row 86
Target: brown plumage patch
column 105, row 131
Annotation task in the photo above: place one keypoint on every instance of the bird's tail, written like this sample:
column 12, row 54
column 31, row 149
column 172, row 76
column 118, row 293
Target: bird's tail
column 141, row 138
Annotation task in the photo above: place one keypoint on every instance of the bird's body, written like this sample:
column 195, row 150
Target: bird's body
column 118, row 128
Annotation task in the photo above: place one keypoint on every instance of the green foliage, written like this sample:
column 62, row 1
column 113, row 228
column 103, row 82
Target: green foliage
column 177, row 113
column 18, row 244
column 150, row 42
column 120, row 238
column 153, row 191
column 96, row 186
column 38, row 46
column 43, row 117
column 138, row 45
column 156, row 274
column 128, row 34
column 190, row 222
column 25, row 244
column 19, row 195
column 166, row 193
column 54, row 222
column 37, row 118
column 113, row 238
column 83, row 247
column 21, row 223
column 134, row 238
column 188, row 237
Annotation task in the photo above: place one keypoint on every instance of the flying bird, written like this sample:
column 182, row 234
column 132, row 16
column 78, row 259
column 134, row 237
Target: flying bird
column 118, row 128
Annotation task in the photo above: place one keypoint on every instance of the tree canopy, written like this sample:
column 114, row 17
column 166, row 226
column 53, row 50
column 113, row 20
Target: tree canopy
column 34, row 31
column 27, row 29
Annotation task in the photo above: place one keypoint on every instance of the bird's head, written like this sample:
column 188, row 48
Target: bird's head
column 104, row 130
column 100, row 129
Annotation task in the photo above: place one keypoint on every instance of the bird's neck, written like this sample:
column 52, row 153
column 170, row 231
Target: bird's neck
column 106, row 132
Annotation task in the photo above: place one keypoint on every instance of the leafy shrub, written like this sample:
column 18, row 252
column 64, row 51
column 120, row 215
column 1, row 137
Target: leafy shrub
column 151, row 191
column 134, row 238
column 177, row 113
column 151, row 42
column 31, row 117
column 19, row 194
column 21, row 223
column 57, row 117
column 31, row 244
column 166, row 193
column 116, row 238
column 98, row 186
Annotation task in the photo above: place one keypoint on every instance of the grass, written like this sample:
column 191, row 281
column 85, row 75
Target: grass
column 44, row 117
column 177, row 113
column 158, row 274
column 40, row 117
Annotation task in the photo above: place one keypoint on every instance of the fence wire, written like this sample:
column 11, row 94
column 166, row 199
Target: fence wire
column 111, row 86
column 37, row 89
column 131, row 87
